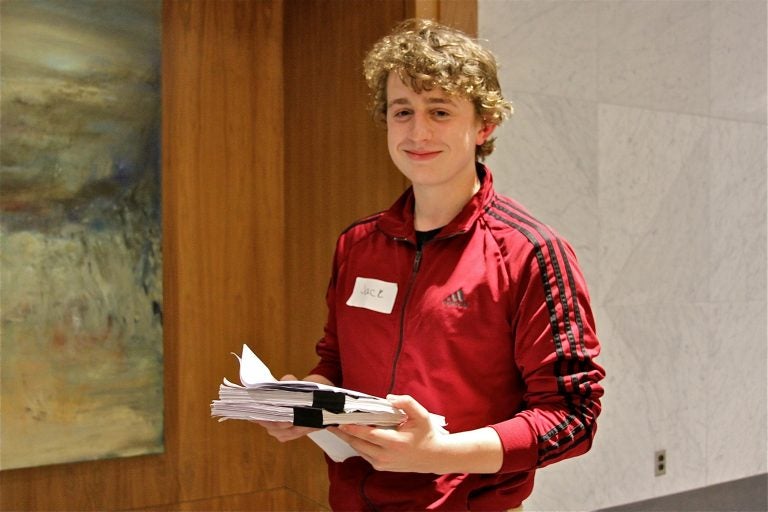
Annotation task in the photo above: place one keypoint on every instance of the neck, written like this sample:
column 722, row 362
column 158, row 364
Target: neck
column 437, row 206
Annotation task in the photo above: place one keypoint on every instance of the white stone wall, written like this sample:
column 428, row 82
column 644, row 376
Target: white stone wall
column 640, row 135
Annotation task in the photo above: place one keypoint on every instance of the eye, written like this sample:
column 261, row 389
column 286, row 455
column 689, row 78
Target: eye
column 401, row 114
column 441, row 114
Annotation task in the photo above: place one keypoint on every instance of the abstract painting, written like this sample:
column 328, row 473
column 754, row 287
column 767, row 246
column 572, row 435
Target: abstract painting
column 81, row 341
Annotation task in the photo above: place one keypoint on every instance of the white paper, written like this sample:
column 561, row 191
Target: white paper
column 252, row 369
column 337, row 449
column 373, row 294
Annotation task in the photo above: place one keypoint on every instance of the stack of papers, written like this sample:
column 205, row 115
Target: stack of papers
column 264, row 398
column 309, row 406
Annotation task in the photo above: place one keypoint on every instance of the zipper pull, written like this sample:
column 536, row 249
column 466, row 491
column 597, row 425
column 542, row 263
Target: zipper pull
column 417, row 261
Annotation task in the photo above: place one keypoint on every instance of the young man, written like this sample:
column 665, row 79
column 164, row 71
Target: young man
column 480, row 312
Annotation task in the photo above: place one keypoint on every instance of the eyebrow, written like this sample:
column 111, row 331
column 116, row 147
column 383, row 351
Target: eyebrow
column 435, row 100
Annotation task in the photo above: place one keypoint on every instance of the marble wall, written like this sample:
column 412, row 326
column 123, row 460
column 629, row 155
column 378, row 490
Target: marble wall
column 640, row 135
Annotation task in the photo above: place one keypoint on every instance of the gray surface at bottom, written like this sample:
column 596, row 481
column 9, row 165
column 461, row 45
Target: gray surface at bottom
column 744, row 495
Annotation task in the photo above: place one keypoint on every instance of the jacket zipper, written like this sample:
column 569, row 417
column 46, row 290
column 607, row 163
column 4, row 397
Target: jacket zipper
column 411, row 281
column 414, row 271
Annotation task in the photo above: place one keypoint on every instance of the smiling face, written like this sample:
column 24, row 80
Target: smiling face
column 432, row 136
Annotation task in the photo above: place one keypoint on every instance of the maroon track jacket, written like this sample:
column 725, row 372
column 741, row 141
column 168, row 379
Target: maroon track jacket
column 488, row 324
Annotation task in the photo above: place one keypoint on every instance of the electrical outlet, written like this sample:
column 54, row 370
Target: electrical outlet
column 660, row 463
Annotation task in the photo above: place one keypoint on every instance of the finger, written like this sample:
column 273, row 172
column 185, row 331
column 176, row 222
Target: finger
column 366, row 449
column 273, row 425
column 340, row 434
column 288, row 376
column 360, row 431
column 352, row 433
column 290, row 434
column 283, row 431
column 382, row 438
column 413, row 409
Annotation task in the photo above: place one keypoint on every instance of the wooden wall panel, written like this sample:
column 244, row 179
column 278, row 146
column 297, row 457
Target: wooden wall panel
column 224, row 130
column 280, row 499
column 337, row 164
column 461, row 14
column 111, row 484
column 337, row 170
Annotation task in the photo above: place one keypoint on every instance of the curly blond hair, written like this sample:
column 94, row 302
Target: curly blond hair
column 425, row 55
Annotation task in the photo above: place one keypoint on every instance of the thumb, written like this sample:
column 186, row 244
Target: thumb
column 413, row 409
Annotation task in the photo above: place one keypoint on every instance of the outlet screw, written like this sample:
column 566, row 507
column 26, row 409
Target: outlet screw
column 660, row 463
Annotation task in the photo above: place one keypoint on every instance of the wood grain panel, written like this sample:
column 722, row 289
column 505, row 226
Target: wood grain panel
column 461, row 14
column 337, row 170
column 337, row 164
column 428, row 9
column 110, row 484
column 281, row 499
column 224, row 125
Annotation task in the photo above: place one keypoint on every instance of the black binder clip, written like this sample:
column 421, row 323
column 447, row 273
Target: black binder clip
column 308, row 417
column 328, row 400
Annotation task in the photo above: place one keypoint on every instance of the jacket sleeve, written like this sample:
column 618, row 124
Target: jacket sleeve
column 327, row 347
column 555, row 346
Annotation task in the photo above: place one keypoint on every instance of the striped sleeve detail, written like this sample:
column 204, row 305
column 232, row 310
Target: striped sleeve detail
column 573, row 367
column 360, row 222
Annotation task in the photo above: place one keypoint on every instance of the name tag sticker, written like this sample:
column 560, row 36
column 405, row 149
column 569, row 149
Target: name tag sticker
column 373, row 294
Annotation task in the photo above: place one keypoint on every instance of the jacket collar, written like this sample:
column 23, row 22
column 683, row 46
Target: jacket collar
column 397, row 221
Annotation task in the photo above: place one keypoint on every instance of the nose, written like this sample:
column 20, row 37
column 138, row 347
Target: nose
column 420, row 127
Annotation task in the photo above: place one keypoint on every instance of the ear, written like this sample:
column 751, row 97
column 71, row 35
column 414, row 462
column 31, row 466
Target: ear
column 485, row 131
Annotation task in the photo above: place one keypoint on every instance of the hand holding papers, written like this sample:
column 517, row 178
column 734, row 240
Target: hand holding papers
column 262, row 397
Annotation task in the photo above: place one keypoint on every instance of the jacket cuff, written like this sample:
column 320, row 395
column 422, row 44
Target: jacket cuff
column 519, row 445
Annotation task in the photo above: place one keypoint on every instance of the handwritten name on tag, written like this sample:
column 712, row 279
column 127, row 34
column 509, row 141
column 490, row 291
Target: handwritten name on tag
column 373, row 294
